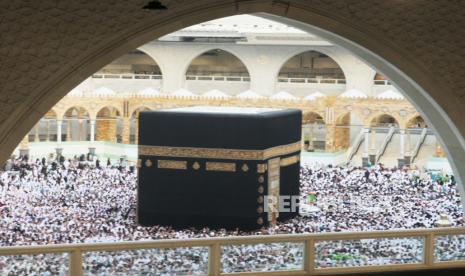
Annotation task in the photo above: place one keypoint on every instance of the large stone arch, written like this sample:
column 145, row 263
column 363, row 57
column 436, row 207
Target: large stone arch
column 334, row 56
column 154, row 56
column 375, row 33
column 370, row 119
column 209, row 48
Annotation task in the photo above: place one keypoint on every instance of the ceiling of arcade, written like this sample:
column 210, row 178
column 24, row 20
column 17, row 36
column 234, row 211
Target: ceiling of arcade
column 47, row 47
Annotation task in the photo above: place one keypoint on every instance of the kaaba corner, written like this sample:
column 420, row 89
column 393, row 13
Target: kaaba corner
column 215, row 166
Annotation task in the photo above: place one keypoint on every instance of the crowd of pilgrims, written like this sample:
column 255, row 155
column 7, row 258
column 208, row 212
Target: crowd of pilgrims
column 77, row 201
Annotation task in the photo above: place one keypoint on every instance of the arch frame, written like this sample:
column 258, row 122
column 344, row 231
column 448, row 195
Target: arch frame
column 77, row 107
column 209, row 48
column 422, row 88
column 318, row 49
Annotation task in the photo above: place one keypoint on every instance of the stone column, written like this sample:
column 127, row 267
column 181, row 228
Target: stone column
column 68, row 130
column 365, row 155
column 48, row 131
column 126, row 130
column 136, row 131
column 79, row 130
column 59, row 125
column 59, row 149
column 372, row 152
column 401, row 159
column 92, row 130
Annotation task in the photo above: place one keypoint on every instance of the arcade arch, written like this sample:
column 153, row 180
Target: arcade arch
column 134, row 124
column 108, row 125
column 216, row 63
column 133, row 62
column 77, row 124
column 384, row 121
column 45, row 129
column 311, row 64
column 417, row 122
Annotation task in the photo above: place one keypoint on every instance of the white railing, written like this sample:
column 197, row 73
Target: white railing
column 218, row 78
column 311, row 80
column 433, row 251
column 127, row 76
column 354, row 148
column 385, row 143
column 416, row 150
column 381, row 82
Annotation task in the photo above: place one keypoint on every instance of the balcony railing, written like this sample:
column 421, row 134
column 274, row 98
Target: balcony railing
column 311, row 80
column 302, row 254
column 381, row 82
column 127, row 76
column 218, row 78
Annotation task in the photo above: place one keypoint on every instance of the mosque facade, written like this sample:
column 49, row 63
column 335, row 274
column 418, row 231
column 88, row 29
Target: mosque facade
column 349, row 110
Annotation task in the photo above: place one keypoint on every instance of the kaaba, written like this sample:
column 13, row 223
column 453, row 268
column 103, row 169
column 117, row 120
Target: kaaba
column 215, row 166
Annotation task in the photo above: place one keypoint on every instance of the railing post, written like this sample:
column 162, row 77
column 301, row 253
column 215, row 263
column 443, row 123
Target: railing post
column 309, row 256
column 75, row 263
column 214, row 260
column 429, row 250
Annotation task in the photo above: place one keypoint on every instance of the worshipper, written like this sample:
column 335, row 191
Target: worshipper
column 76, row 202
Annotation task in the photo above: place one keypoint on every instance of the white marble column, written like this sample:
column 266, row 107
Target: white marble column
column 92, row 130
column 68, row 130
column 48, row 130
column 79, row 130
column 59, row 124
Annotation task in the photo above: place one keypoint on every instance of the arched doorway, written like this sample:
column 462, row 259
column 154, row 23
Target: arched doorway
column 134, row 125
column 312, row 65
column 77, row 124
column 309, row 72
column 108, row 125
column 135, row 62
column 222, row 67
column 46, row 128
column 384, row 121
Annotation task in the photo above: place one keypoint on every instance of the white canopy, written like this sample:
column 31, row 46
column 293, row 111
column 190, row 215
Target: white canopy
column 148, row 92
column 183, row 93
column 216, row 94
column 103, row 92
column 283, row 95
column 390, row 95
column 353, row 93
column 314, row 95
column 249, row 94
